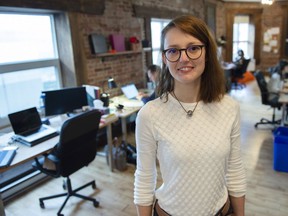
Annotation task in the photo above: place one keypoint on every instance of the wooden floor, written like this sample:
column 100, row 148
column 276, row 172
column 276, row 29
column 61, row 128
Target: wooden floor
column 267, row 190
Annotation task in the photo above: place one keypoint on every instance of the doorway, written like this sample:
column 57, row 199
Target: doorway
column 243, row 36
column 252, row 22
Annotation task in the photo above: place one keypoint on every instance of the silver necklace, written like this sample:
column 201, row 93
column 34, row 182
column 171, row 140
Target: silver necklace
column 189, row 112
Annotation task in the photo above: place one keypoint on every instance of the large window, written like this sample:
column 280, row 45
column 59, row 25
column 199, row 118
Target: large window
column 156, row 27
column 29, row 60
column 243, row 36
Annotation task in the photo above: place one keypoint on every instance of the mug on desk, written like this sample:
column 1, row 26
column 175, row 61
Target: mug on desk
column 105, row 99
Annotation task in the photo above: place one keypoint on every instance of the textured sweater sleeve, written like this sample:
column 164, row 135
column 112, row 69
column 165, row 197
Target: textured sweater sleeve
column 236, row 177
column 146, row 173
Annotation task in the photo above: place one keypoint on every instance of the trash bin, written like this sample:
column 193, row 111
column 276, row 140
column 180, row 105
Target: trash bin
column 281, row 149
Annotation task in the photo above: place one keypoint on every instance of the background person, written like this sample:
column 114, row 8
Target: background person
column 153, row 74
column 239, row 61
column 192, row 128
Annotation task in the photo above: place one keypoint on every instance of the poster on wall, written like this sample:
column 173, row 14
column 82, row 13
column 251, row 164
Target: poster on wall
column 271, row 40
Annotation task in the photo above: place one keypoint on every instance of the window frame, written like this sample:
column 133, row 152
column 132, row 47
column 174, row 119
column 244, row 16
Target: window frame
column 163, row 23
column 249, row 42
column 32, row 64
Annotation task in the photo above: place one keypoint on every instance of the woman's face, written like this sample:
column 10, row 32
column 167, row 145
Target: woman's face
column 185, row 70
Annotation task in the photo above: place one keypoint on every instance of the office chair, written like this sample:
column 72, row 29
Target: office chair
column 268, row 98
column 238, row 74
column 76, row 149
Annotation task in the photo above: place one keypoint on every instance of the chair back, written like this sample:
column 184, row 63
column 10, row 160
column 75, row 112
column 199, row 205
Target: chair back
column 245, row 65
column 240, row 70
column 262, row 86
column 77, row 145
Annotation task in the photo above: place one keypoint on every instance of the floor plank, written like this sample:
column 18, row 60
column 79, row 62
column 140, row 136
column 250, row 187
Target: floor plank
column 267, row 190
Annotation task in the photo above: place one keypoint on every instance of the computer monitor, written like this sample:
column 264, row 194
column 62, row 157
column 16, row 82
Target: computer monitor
column 64, row 101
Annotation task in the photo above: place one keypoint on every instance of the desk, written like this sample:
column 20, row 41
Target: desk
column 130, row 107
column 283, row 99
column 228, row 66
column 25, row 153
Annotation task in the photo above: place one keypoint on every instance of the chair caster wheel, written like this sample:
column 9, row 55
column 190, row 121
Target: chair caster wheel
column 96, row 204
column 42, row 204
column 60, row 214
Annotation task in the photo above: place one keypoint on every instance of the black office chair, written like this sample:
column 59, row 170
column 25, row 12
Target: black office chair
column 238, row 73
column 76, row 149
column 268, row 98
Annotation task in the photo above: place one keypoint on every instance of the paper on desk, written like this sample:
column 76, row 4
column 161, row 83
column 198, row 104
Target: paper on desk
column 10, row 147
column 135, row 103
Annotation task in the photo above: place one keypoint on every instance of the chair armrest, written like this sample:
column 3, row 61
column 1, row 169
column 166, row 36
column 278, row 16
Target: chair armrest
column 38, row 164
column 53, row 158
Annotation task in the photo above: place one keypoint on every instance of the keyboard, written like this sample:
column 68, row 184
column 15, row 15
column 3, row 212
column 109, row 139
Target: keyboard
column 6, row 157
column 28, row 133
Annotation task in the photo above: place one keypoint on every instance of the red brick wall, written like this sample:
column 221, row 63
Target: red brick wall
column 118, row 18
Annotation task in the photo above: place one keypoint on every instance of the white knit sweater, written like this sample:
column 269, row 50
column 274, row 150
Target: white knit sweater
column 199, row 157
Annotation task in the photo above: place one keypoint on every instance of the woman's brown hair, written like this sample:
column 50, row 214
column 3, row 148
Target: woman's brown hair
column 212, row 87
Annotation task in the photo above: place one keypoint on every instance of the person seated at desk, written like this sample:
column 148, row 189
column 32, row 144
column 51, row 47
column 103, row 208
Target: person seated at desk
column 275, row 84
column 153, row 74
column 239, row 61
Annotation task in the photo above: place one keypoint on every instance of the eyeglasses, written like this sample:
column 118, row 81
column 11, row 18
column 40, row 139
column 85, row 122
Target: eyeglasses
column 193, row 52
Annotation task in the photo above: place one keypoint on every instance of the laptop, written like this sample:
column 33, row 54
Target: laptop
column 130, row 91
column 28, row 127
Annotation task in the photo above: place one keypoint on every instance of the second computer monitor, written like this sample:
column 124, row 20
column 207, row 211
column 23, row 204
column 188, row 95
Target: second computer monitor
column 64, row 101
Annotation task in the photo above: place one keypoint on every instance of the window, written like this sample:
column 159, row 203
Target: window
column 156, row 27
column 243, row 36
column 29, row 60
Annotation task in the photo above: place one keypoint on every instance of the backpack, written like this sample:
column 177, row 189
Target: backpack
column 119, row 155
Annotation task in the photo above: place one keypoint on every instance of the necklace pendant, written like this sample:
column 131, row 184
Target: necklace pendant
column 189, row 113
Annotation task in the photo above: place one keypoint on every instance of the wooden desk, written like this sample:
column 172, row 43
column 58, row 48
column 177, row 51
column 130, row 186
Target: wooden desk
column 283, row 99
column 228, row 65
column 130, row 107
column 25, row 153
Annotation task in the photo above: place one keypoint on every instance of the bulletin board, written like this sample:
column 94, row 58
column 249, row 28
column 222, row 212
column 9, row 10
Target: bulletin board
column 271, row 40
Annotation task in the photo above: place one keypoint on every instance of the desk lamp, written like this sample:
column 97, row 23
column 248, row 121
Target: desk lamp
column 105, row 96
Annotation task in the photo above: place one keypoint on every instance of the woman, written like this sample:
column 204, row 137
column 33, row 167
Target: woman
column 153, row 74
column 192, row 128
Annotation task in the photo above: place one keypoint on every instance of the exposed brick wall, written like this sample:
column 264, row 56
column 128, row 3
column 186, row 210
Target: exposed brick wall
column 221, row 23
column 118, row 18
column 272, row 17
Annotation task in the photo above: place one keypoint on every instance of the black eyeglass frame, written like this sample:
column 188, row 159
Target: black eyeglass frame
column 185, row 49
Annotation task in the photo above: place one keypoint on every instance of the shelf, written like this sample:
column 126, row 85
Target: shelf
column 129, row 52
column 118, row 53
